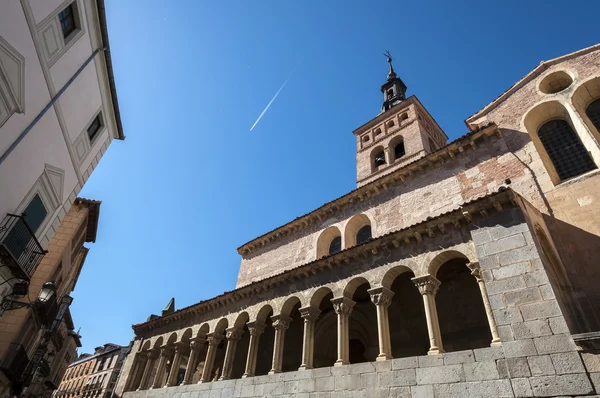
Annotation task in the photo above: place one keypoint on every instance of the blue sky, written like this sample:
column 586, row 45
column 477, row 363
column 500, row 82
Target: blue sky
column 191, row 183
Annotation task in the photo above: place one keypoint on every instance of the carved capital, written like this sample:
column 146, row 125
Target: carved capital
column 381, row 296
column 166, row 351
column 475, row 270
column 426, row 284
column 256, row 328
column 197, row 343
column 310, row 314
column 281, row 322
column 234, row 334
column 153, row 354
column 342, row 305
column 214, row 339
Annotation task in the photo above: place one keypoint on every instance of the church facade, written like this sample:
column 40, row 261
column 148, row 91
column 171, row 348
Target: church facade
column 466, row 268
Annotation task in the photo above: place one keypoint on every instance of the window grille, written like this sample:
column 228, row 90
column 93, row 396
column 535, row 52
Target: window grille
column 335, row 245
column 565, row 149
column 363, row 234
column 67, row 21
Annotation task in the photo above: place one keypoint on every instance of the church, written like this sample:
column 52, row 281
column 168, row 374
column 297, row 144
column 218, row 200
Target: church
column 463, row 268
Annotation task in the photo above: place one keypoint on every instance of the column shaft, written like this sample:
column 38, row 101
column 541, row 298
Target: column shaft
column 281, row 323
column 476, row 272
column 310, row 315
column 382, row 298
column 160, row 371
column 256, row 329
column 428, row 286
column 213, row 342
column 172, row 378
column 233, row 336
column 148, row 371
column 195, row 347
column 343, row 308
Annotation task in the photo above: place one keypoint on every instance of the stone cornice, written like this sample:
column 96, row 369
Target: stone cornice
column 409, row 171
column 463, row 214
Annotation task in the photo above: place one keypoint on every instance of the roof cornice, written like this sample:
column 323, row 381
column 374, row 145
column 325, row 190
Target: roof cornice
column 524, row 80
column 93, row 216
column 408, row 172
column 463, row 214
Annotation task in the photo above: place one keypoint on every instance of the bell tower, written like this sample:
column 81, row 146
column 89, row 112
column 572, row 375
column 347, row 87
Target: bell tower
column 394, row 89
column 402, row 132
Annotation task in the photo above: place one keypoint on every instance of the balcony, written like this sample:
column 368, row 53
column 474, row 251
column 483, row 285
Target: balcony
column 15, row 362
column 20, row 250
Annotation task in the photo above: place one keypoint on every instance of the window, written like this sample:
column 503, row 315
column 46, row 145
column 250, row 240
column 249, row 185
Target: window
column 593, row 112
column 363, row 234
column 35, row 213
column 335, row 245
column 95, row 127
column 67, row 21
column 18, row 239
column 399, row 150
column 390, row 93
column 565, row 149
column 379, row 159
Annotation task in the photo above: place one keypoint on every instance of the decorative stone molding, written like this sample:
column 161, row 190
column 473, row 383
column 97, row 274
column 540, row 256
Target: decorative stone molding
column 381, row 296
column 281, row 322
column 234, row 334
column 343, row 305
column 256, row 328
column 475, row 270
column 214, row 339
column 309, row 313
column 427, row 284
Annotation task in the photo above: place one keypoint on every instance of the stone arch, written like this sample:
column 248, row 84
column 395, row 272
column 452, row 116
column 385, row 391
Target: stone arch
column 354, row 225
column 583, row 96
column 326, row 240
column 396, row 148
column 539, row 117
column 172, row 338
column 221, row 326
column 289, row 305
column 318, row 296
column 241, row 319
column 378, row 160
column 158, row 342
column 461, row 312
column 392, row 273
column 442, row 258
column 146, row 346
column 263, row 314
column 203, row 331
column 186, row 335
column 354, row 284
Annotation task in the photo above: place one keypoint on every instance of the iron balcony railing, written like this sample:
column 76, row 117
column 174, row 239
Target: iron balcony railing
column 20, row 250
column 15, row 362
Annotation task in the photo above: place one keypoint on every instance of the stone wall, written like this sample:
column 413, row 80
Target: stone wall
column 549, row 367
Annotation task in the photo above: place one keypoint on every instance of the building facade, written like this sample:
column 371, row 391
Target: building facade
column 58, row 115
column 38, row 340
column 453, row 269
column 93, row 375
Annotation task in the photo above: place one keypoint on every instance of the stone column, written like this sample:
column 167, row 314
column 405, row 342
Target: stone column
column 382, row 298
column 139, row 363
column 195, row 347
column 172, row 378
column 280, row 323
column 310, row 315
column 152, row 357
column 476, row 272
column 160, row 371
column 428, row 286
column 343, row 307
column 256, row 329
column 233, row 336
column 214, row 339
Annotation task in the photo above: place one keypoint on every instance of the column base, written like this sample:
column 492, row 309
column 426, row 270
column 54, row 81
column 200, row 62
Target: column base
column 223, row 378
column 273, row 371
column 435, row 351
column 497, row 343
column 339, row 362
column 246, row 375
column 305, row 367
column 203, row 381
column 183, row 383
column 383, row 357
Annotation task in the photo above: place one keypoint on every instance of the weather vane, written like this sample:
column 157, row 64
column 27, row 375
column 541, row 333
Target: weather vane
column 388, row 55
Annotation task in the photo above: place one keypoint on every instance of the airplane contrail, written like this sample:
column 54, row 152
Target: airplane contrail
column 272, row 99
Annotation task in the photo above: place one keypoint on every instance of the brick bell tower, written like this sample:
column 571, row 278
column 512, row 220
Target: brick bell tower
column 402, row 132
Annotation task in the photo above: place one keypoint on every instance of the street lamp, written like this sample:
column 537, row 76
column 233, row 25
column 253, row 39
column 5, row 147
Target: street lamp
column 48, row 290
column 46, row 294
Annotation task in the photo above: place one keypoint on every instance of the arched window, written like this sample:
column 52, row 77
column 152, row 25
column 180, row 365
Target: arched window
column 363, row 234
column 335, row 245
column 593, row 112
column 565, row 149
column 379, row 159
column 399, row 150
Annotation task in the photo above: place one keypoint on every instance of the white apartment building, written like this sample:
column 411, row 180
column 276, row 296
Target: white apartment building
column 58, row 115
